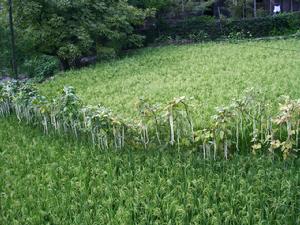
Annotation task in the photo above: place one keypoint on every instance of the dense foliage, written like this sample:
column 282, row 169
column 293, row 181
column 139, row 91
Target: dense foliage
column 80, row 32
column 41, row 66
column 23, row 45
column 68, row 30
column 51, row 180
column 158, row 5
column 208, row 28
column 72, row 29
column 174, row 7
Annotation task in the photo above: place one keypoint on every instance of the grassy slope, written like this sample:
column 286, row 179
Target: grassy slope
column 48, row 180
column 213, row 73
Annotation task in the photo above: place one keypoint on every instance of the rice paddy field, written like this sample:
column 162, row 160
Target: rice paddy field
column 48, row 180
column 212, row 73
column 56, row 179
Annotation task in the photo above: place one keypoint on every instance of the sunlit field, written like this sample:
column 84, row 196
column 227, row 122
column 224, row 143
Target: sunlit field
column 213, row 73
column 52, row 180
column 52, row 175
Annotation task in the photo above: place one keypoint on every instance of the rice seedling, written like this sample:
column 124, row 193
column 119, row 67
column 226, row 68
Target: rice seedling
column 50, row 179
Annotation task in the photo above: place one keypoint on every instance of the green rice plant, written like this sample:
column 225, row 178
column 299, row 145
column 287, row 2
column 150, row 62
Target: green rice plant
column 73, row 183
column 213, row 73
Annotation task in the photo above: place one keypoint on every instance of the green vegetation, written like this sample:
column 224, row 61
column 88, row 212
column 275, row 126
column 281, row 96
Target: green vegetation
column 250, row 123
column 48, row 180
column 204, row 28
column 66, row 179
column 213, row 73
column 79, row 33
column 164, row 154
column 70, row 30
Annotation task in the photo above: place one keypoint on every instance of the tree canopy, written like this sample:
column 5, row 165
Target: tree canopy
column 70, row 29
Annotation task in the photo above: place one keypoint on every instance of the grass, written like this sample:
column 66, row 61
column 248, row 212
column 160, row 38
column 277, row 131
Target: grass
column 48, row 180
column 213, row 73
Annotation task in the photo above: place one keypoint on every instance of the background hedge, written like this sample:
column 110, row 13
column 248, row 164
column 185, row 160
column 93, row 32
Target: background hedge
column 282, row 24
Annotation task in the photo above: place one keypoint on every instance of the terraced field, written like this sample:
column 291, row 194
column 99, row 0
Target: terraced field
column 213, row 73
column 55, row 179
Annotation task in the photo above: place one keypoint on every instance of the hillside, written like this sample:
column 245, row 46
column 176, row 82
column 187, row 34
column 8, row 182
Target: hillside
column 213, row 73
column 52, row 175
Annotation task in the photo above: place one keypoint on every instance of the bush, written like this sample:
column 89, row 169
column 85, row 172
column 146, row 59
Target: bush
column 75, row 29
column 297, row 34
column 4, row 53
column 265, row 26
column 41, row 66
column 106, row 53
column 283, row 24
column 199, row 36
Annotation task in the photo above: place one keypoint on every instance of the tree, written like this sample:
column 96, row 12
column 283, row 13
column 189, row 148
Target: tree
column 192, row 5
column 12, row 39
column 241, row 8
column 173, row 6
column 254, row 8
column 4, row 40
column 158, row 5
column 7, row 39
column 70, row 29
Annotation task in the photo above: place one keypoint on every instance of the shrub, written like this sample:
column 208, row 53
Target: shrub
column 41, row 66
column 297, row 34
column 76, row 27
column 283, row 24
column 105, row 53
column 199, row 36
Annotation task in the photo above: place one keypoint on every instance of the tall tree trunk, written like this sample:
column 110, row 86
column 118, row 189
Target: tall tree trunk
column 254, row 8
column 219, row 20
column 244, row 13
column 12, row 38
column 245, row 7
